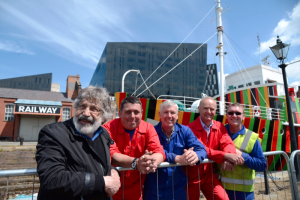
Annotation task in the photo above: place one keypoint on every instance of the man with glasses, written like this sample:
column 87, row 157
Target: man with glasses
column 73, row 157
column 136, row 146
column 219, row 148
column 180, row 146
column 247, row 144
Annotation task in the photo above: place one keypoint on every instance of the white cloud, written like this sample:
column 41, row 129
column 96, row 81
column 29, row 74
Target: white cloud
column 76, row 29
column 287, row 29
column 293, row 70
column 13, row 47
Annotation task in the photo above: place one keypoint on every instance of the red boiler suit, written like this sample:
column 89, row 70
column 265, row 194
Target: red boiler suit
column 219, row 143
column 144, row 138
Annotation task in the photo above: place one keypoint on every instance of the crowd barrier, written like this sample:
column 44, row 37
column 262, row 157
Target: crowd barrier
column 276, row 187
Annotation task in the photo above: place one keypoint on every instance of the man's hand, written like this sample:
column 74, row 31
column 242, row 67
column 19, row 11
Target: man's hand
column 228, row 166
column 240, row 161
column 112, row 183
column 146, row 163
column 234, row 158
column 114, row 173
column 189, row 157
column 238, row 152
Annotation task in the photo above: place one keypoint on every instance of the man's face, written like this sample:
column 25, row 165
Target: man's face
column 131, row 115
column 88, row 117
column 207, row 110
column 235, row 116
column 168, row 116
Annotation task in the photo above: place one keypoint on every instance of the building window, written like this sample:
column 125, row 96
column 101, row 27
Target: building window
column 9, row 113
column 66, row 114
column 240, row 86
column 248, row 84
column 256, row 82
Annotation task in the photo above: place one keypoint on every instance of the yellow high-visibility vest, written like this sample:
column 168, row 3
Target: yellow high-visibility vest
column 241, row 178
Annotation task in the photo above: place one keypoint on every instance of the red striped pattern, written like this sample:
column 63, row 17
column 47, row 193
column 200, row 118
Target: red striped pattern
column 122, row 96
column 186, row 118
column 275, row 136
column 144, row 107
column 262, row 125
column 247, row 122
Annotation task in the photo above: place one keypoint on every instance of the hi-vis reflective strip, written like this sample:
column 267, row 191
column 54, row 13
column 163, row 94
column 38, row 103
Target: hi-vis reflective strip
column 237, row 181
column 246, row 140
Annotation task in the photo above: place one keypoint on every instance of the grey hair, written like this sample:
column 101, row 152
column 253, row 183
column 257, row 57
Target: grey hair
column 204, row 98
column 168, row 103
column 97, row 95
column 237, row 105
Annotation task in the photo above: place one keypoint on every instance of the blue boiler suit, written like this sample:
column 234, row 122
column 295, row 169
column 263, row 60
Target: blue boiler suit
column 182, row 138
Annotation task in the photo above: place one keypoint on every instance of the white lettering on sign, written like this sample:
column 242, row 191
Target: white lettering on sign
column 35, row 110
column 27, row 109
column 43, row 109
column 21, row 108
column 54, row 109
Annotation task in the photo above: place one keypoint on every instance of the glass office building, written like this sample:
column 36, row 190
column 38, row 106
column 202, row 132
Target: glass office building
column 187, row 79
column 212, row 85
column 40, row 82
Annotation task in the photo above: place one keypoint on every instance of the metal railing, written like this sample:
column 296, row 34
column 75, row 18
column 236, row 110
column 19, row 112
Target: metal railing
column 250, row 110
column 292, row 164
column 271, row 177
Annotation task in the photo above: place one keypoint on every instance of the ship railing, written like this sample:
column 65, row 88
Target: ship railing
column 251, row 111
column 277, row 181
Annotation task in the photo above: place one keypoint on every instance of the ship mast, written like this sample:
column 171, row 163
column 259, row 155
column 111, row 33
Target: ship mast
column 219, row 9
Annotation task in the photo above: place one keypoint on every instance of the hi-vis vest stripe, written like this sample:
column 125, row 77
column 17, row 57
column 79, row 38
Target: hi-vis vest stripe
column 236, row 181
column 246, row 141
column 241, row 178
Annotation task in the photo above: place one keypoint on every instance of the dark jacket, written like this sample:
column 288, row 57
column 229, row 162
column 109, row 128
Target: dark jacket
column 68, row 166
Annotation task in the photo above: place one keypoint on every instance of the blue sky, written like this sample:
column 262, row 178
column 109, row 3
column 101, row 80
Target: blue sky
column 68, row 37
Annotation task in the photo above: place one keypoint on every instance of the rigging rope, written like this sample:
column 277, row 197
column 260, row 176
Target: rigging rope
column 248, row 75
column 176, row 48
column 146, row 87
column 178, row 63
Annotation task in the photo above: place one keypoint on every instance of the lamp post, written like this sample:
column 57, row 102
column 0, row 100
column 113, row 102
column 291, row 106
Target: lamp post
column 280, row 51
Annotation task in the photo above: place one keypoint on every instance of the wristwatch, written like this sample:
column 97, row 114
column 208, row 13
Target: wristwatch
column 133, row 164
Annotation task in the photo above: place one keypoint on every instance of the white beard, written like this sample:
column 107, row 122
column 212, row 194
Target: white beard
column 87, row 129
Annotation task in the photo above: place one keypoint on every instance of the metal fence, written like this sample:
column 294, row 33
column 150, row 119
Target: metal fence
column 294, row 179
column 274, row 183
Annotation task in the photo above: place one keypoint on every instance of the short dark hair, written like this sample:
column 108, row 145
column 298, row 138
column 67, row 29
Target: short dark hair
column 237, row 105
column 130, row 99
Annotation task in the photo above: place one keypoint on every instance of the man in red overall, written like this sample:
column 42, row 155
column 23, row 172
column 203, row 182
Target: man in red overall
column 133, row 138
column 219, row 147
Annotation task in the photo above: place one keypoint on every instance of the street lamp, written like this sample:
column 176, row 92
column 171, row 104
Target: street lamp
column 280, row 51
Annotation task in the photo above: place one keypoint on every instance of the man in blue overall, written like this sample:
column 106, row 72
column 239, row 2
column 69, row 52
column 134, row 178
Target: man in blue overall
column 239, row 183
column 180, row 146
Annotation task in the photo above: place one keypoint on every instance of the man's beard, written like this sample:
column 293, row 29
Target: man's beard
column 87, row 129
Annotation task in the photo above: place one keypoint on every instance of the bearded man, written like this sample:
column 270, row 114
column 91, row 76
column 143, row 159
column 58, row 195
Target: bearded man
column 73, row 157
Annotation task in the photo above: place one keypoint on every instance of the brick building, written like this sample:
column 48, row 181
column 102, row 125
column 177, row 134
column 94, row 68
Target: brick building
column 24, row 112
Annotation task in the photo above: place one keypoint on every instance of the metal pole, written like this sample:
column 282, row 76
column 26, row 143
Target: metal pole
column 220, row 48
column 123, row 79
column 267, row 188
column 290, row 117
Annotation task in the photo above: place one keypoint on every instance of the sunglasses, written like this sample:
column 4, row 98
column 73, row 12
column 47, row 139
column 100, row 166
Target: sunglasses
column 236, row 113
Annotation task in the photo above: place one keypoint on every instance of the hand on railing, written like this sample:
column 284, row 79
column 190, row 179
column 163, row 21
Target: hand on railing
column 112, row 183
column 189, row 157
column 146, row 163
column 234, row 158
column 228, row 166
